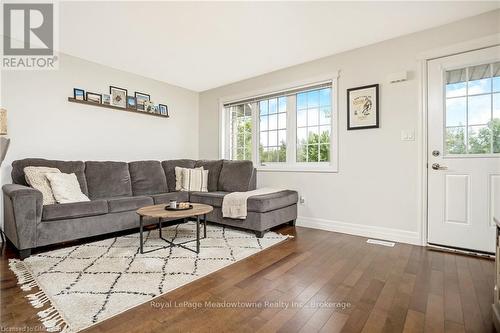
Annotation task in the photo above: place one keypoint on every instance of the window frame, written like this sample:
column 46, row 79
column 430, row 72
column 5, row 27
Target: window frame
column 447, row 155
column 291, row 165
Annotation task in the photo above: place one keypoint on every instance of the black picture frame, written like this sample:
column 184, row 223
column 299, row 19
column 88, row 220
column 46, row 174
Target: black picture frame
column 75, row 90
column 125, row 91
column 93, row 94
column 377, row 108
column 139, row 105
column 166, row 109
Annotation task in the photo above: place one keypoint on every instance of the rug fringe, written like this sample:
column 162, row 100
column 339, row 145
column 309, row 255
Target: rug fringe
column 50, row 317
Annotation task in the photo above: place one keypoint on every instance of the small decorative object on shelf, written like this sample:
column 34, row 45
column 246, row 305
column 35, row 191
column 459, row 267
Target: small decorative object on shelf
column 118, row 96
column 94, row 98
column 131, row 102
column 140, row 99
column 106, row 99
column 79, row 94
column 163, row 109
column 149, row 107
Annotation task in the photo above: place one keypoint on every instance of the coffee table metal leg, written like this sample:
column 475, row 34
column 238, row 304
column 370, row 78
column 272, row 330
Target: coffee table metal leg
column 204, row 225
column 197, row 233
column 140, row 232
column 159, row 226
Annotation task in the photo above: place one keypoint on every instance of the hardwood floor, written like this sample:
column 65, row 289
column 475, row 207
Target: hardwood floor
column 330, row 282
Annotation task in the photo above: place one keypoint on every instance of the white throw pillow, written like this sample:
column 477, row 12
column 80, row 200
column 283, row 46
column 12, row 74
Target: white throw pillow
column 194, row 180
column 35, row 177
column 66, row 188
column 178, row 177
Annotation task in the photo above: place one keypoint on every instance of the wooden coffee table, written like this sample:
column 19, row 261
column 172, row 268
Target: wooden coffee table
column 159, row 212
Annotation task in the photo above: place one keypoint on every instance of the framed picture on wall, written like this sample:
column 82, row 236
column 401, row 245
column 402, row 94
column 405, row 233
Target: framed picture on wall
column 163, row 109
column 362, row 107
column 94, row 98
column 118, row 96
column 131, row 102
column 79, row 94
column 141, row 99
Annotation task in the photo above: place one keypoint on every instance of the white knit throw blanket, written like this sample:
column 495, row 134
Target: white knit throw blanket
column 234, row 205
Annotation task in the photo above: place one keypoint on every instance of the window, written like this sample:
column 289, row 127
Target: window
column 272, row 128
column 241, row 132
column 473, row 110
column 289, row 129
column 314, row 110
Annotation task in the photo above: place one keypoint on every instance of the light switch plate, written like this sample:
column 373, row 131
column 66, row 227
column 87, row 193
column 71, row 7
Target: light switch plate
column 408, row 135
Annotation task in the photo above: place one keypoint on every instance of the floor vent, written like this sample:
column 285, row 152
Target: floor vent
column 380, row 242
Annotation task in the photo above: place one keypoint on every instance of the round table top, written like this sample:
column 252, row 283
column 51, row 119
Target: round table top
column 159, row 211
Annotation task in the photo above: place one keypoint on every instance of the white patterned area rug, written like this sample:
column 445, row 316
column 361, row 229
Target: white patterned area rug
column 86, row 284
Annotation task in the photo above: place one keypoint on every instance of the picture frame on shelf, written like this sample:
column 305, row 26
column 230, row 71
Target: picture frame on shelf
column 118, row 96
column 163, row 109
column 79, row 94
column 141, row 99
column 94, row 98
column 106, row 99
column 363, row 107
column 131, row 104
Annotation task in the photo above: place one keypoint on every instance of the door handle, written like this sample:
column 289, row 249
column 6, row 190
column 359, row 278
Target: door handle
column 436, row 166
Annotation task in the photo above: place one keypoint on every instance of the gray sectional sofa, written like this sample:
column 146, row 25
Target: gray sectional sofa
column 118, row 189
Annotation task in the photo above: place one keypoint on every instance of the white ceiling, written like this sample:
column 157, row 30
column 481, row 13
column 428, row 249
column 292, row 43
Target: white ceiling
column 203, row 45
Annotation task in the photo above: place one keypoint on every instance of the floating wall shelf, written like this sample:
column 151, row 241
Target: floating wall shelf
column 112, row 107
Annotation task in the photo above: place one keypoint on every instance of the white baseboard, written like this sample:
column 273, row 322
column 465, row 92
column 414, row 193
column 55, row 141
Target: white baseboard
column 395, row 235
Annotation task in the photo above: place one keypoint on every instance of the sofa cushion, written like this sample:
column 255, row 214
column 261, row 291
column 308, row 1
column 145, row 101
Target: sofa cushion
column 124, row 204
column 65, row 188
column 169, row 168
column 259, row 203
column 208, row 198
column 76, row 167
column 235, row 176
column 108, row 179
column 74, row 210
column 147, row 177
column 272, row 201
column 36, row 178
column 214, row 169
column 164, row 198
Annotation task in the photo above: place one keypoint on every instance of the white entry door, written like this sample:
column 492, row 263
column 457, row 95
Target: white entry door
column 464, row 149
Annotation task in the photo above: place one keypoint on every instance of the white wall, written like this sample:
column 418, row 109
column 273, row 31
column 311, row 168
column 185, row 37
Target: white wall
column 376, row 190
column 42, row 123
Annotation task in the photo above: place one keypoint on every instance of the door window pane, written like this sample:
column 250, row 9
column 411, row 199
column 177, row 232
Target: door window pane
column 456, row 111
column 479, row 80
column 473, row 118
column 479, row 140
column 479, row 109
column 455, row 140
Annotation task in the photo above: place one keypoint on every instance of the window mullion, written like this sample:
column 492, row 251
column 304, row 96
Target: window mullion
column 291, row 129
column 255, row 133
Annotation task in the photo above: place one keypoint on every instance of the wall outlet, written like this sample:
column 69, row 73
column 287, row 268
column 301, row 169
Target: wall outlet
column 302, row 200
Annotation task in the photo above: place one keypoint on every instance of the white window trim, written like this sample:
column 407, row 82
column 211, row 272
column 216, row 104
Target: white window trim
column 290, row 165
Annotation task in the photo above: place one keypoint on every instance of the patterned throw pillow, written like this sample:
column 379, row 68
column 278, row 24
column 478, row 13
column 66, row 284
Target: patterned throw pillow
column 66, row 188
column 178, row 177
column 35, row 177
column 194, row 180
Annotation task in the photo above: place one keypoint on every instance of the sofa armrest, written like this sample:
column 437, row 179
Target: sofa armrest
column 22, row 212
